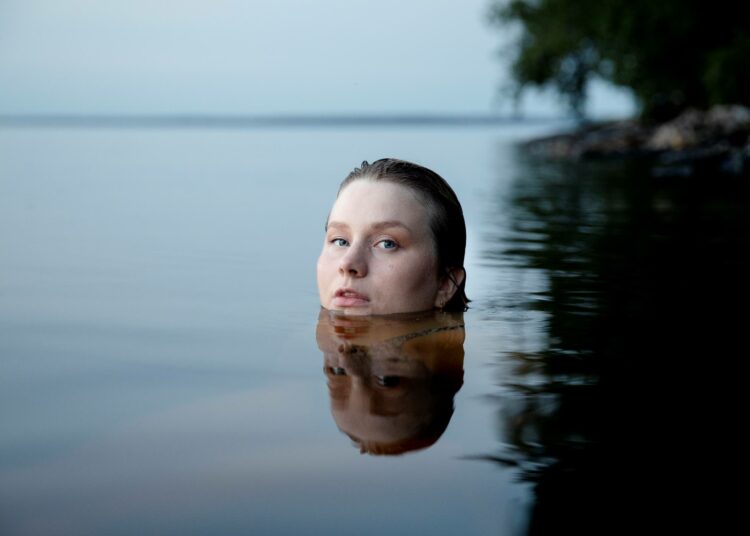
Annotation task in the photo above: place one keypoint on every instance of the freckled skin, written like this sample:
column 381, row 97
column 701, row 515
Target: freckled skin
column 393, row 266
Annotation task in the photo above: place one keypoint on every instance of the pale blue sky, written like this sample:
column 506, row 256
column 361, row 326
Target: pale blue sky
column 250, row 57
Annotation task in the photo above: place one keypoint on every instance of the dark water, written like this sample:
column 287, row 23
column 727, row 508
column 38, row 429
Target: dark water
column 633, row 284
column 165, row 369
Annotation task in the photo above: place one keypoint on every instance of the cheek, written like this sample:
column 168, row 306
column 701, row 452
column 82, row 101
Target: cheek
column 418, row 275
column 323, row 269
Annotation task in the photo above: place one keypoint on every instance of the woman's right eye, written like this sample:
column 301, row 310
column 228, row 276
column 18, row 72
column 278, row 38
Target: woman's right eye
column 339, row 242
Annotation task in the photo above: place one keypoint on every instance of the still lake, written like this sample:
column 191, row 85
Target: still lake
column 161, row 363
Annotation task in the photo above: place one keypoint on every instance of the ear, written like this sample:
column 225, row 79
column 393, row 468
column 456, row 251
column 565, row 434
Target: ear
column 448, row 286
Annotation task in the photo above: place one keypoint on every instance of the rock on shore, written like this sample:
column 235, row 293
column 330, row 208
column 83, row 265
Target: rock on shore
column 696, row 142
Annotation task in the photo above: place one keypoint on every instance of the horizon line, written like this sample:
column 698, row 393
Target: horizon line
column 197, row 120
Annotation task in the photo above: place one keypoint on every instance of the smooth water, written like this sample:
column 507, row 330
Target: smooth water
column 164, row 368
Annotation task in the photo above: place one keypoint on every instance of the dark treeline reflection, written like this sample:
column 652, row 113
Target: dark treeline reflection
column 637, row 279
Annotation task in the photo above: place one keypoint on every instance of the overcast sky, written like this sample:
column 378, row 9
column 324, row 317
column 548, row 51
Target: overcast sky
column 252, row 57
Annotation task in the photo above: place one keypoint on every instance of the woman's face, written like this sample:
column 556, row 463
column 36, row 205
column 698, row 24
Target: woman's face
column 378, row 256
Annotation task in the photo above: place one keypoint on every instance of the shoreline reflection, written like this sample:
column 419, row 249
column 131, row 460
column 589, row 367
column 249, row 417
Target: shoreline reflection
column 392, row 379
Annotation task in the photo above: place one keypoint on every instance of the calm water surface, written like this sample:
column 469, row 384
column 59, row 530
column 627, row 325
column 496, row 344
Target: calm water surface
column 165, row 369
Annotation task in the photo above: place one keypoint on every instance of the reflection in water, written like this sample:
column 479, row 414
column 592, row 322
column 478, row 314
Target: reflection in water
column 635, row 279
column 392, row 379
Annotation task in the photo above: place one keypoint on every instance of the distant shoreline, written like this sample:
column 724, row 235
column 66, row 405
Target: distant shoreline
column 252, row 121
column 708, row 142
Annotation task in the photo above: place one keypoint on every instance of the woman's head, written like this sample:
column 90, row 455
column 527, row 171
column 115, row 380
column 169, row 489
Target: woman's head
column 395, row 242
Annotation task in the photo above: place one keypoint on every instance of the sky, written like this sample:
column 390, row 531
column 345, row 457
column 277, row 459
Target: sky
column 271, row 57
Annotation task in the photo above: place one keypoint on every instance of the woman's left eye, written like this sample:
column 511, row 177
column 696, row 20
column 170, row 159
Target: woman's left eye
column 387, row 244
column 388, row 381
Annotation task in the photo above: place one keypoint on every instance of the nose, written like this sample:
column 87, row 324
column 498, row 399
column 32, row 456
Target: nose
column 353, row 263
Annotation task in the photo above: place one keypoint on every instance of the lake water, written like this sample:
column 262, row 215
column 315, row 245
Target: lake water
column 165, row 369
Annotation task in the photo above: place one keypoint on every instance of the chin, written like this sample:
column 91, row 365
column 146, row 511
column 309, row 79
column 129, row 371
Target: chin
column 354, row 311
column 349, row 311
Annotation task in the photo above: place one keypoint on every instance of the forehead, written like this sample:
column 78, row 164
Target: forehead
column 369, row 200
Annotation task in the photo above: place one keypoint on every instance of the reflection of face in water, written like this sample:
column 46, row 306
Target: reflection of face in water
column 392, row 380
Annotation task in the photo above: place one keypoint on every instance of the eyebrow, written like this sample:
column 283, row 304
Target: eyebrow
column 376, row 226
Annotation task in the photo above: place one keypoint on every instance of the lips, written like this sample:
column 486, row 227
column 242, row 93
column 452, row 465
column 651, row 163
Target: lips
column 346, row 297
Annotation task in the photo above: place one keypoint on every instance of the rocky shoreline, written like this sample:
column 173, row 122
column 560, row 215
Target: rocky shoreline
column 697, row 142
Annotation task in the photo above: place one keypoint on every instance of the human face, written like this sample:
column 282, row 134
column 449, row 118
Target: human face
column 379, row 255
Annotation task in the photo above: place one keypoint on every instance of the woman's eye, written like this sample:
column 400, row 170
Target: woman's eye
column 388, row 381
column 387, row 244
column 339, row 242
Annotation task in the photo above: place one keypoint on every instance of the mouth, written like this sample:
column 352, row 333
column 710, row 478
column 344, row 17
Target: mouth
column 346, row 297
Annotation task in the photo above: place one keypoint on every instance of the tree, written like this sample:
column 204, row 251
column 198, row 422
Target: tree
column 672, row 54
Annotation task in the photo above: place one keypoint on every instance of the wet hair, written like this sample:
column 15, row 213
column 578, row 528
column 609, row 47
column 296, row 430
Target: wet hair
column 447, row 223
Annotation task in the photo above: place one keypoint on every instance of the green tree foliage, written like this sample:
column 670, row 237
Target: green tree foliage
column 672, row 54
